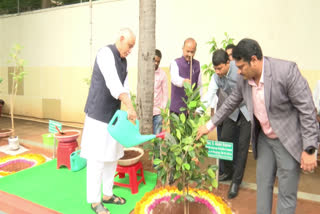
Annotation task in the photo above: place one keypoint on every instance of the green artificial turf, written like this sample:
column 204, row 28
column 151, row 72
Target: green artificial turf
column 65, row 191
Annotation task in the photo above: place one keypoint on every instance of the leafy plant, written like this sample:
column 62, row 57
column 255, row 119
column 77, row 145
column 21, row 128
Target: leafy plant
column 179, row 154
column 18, row 74
column 208, row 68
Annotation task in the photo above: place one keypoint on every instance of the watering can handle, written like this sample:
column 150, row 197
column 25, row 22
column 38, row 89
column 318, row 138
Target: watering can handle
column 115, row 116
column 75, row 153
column 120, row 113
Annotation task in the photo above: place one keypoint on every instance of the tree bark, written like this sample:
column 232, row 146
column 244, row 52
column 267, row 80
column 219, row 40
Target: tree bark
column 45, row 4
column 145, row 87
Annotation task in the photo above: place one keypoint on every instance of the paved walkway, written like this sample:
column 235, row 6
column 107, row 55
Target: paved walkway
column 30, row 132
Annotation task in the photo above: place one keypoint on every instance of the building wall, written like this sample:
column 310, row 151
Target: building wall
column 57, row 42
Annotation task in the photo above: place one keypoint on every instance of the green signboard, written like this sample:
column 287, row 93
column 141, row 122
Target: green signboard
column 219, row 149
column 52, row 126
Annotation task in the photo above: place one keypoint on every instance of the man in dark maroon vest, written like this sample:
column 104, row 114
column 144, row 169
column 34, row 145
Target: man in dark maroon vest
column 180, row 73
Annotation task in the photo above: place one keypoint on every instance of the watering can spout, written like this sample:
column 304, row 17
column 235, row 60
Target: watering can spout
column 161, row 135
column 126, row 133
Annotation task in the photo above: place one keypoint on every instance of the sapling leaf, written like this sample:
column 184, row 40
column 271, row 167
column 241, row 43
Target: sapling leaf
column 183, row 109
column 186, row 166
column 178, row 134
column 179, row 160
column 182, row 118
column 177, row 175
column 192, row 104
column 215, row 183
column 211, row 173
column 157, row 161
column 190, row 198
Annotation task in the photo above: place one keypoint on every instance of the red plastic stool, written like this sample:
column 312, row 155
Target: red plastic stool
column 64, row 152
column 133, row 172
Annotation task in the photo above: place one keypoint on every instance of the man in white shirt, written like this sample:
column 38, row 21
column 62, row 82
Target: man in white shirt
column 109, row 87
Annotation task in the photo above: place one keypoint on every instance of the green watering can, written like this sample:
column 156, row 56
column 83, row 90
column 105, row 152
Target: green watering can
column 77, row 163
column 126, row 133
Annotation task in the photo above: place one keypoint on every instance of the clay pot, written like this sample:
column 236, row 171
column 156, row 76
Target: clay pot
column 131, row 156
column 67, row 136
column 5, row 132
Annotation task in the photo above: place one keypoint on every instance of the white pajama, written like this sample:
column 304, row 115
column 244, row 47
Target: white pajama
column 102, row 153
column 99, row 173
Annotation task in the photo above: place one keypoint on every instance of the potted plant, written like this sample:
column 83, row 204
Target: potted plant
column 18, row 74
column 179, row 154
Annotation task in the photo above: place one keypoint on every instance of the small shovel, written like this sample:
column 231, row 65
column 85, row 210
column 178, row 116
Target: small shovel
column 60, row 132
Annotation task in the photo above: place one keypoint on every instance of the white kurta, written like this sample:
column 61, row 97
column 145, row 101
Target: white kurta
column 96, row 143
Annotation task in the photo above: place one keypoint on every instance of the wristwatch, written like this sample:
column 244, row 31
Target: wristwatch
column 310, row 150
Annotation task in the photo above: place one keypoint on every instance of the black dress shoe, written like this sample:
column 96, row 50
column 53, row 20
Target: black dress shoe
column 233, row 191
column 225, row 177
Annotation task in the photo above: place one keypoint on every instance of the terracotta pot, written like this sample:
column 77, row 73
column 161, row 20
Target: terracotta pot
column 67, row 136
column 5, row 132
column 132, row 160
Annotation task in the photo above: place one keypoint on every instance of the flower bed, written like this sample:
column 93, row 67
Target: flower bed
column 20, row 162
column 163, row 195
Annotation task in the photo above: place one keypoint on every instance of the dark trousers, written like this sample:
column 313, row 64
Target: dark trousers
column 229, row 131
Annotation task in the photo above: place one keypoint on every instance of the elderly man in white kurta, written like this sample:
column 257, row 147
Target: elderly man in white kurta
column 109, row 87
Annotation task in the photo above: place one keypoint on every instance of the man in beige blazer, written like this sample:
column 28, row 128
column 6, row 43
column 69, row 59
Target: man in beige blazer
column 284, row 131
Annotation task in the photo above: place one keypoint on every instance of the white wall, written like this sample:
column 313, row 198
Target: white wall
column 284, row 29
column 57, row 41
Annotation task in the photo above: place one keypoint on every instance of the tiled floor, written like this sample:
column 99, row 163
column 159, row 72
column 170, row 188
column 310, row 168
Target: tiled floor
column 30, row 132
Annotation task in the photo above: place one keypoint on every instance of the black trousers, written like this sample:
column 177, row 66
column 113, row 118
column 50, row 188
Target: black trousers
column 229, row 130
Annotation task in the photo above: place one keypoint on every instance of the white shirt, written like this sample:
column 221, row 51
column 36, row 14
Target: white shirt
column 106, row 63
column 97, row 144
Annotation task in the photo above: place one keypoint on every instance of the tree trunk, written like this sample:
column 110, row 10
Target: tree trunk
column 45, row 4
column 146, row 65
